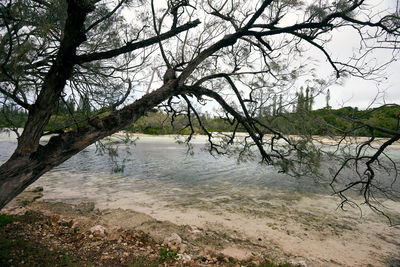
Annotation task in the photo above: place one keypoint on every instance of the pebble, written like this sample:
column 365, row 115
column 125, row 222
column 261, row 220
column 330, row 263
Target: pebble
column 98, row 230
column 54, row 219
column 182, row 248
column 173, row 240
column 185, row 257
column 300, row 263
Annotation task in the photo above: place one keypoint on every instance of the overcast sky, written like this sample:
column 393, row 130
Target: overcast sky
column 355, row 91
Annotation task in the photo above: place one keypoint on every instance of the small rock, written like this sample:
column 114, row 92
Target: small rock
column 98, row 234
column 15, row 210
column 298, row 263
column 84, row 208
column 37, row 189
column 182, row 248
column 98, row 230
column 54, row 219
column 173, row 240
column 75, row 225
column 184, row 257
column 80, row 236
column 67, row 223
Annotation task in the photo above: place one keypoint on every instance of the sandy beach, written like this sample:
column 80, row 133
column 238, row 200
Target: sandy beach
column 285, row 234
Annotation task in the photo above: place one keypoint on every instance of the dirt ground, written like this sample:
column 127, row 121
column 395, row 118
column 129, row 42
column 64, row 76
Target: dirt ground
column 37, row 233
column 57, row 234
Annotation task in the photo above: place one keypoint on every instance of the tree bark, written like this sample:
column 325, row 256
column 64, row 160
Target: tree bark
column 55, row 80
column 21, row 171
column 30, row 160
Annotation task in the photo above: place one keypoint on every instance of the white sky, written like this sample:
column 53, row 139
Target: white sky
column 355, row 91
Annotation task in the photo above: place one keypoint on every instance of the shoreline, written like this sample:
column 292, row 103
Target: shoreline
column 324, row 140
column 316, row 139
column 207, row 234
column 91, row 228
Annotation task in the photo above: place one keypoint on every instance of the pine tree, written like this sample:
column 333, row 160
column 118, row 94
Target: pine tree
column 328, row 98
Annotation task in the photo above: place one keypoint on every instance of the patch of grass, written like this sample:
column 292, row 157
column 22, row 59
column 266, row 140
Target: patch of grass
column 167, row 254
column 18, row 252
column 5, row 219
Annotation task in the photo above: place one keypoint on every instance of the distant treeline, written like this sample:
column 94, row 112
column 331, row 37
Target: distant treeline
column 324, row 121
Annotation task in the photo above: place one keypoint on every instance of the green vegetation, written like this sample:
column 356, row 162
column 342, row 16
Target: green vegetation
column 346, row 118
column 5, row 219
column 324, row 121
column 168, row 254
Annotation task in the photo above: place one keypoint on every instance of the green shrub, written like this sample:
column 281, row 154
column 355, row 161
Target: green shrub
column 5, row 219
column 166, row 254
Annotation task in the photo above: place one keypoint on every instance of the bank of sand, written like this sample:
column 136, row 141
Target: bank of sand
column 311, row 232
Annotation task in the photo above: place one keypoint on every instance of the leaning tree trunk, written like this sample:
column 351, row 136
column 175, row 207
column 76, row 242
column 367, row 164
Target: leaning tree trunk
column 27, row 162
column 30, row 160
column 21, row 170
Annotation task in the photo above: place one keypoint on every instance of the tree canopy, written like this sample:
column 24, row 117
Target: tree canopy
column 116, row 61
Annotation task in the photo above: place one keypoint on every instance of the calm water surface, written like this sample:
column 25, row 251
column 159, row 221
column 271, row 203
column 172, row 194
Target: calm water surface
column 161, row 168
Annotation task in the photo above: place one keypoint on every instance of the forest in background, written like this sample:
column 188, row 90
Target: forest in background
column 300, row 120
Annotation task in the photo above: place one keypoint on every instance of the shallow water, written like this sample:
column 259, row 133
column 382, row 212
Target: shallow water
column 161, row 168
